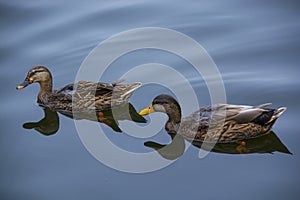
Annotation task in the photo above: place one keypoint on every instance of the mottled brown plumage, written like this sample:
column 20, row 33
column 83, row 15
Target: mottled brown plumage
column 220, row 123
column 82, row 96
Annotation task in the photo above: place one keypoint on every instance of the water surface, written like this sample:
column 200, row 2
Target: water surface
column 255, row 45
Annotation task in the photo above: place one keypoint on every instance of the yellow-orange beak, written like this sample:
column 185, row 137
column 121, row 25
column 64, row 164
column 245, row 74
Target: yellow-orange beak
column 147, row 110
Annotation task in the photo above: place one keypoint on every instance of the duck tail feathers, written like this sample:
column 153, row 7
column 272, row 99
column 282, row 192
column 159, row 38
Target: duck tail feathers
column 264, row 105
column 277, row 114
column 131, row 89
column 280, row 111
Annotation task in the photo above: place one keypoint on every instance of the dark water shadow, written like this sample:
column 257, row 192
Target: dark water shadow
column 49, row 125
column 267, row 143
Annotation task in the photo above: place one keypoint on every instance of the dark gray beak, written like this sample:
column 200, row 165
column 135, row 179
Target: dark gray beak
column 23, row 85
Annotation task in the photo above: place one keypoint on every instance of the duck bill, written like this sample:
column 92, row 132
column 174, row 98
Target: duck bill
column 23, row 85
column 147, row 110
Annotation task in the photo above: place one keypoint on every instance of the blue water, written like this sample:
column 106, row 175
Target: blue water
column 255, row 45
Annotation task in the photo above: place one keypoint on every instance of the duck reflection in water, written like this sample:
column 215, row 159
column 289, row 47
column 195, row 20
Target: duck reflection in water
column 267, row 143
column 49, row 125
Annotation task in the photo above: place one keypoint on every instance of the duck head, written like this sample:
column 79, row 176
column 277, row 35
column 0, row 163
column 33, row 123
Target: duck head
column 163, row 103
column 39, row 74
column 166, row 104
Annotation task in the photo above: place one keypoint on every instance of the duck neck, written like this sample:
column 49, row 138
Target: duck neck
column 174, row 113
column 45, row 88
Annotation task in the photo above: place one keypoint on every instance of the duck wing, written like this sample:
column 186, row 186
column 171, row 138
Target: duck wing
column 84, row 88
column 96, row 88
column 246, row 114
column 88, row 95
column 237, row 113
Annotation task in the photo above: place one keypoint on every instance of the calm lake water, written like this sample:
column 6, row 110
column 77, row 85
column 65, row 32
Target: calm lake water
column 255, row 45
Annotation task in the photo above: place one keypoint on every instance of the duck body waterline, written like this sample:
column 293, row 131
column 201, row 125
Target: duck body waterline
column 83, row 96
column 222, row 123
